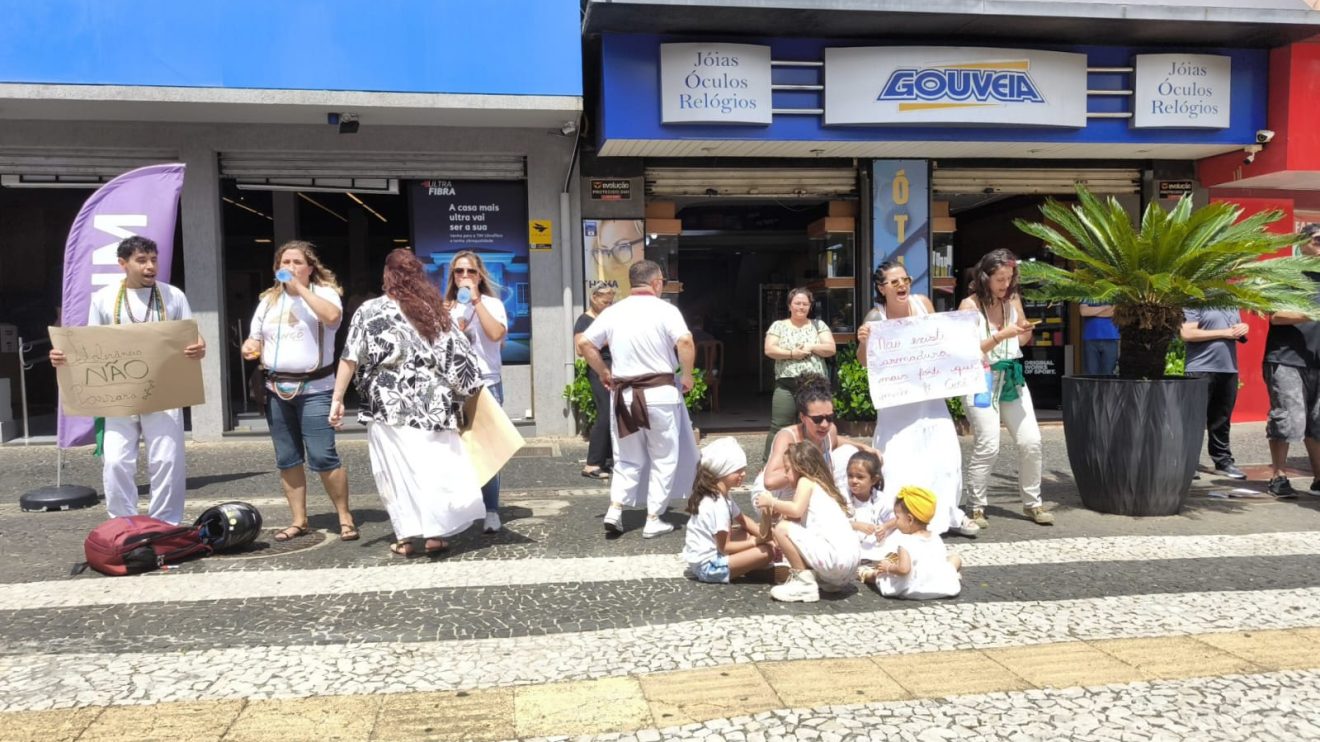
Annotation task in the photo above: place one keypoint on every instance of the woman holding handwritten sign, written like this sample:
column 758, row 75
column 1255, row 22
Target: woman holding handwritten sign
column 293, row 333
column 919, row 442
column 1004, row 330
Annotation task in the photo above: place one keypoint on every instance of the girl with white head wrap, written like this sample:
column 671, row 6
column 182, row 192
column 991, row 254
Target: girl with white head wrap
column 722, row 543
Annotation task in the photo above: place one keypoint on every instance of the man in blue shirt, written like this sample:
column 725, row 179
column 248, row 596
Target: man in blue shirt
column 1099, row 340
column 1211, row 336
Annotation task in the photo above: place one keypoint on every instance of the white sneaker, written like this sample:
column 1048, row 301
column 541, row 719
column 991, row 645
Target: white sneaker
column 968, row 528
column 614, row 520
column 656, row 527
column 492, row 522
column 800, row 588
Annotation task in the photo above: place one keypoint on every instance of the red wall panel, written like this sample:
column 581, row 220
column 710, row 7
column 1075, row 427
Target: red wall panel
column 1253, row 402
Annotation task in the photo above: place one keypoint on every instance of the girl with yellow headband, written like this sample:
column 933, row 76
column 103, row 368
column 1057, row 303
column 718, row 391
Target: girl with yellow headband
column 921, row 568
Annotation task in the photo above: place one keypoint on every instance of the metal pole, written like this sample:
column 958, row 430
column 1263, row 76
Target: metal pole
column 22, row 388
column 59, row 465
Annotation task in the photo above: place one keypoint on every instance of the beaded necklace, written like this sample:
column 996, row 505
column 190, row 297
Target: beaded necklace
column 154, row 301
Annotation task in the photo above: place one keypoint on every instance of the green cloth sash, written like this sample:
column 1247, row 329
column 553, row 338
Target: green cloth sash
column 99, row 426
column 1011, row 369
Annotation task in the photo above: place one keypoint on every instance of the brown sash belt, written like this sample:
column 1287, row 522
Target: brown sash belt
column 634, row 417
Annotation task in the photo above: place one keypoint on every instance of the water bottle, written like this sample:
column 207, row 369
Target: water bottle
column 464, row 295
column 982, row 399
column 283, row 275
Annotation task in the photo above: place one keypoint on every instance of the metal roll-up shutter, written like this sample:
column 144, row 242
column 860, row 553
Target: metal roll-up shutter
column 662, row 182
column 36, row 167
column 311, row 165
column 1043, row 181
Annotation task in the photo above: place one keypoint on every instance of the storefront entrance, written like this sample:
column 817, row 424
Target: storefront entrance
column 737, row 261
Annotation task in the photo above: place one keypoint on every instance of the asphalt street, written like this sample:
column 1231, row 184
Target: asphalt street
column 1203, row 625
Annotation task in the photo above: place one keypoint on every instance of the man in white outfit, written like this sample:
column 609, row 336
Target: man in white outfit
column 141, row 298
column 649, row 425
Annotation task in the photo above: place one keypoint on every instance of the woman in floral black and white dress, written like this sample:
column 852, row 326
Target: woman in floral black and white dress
column 414, row 369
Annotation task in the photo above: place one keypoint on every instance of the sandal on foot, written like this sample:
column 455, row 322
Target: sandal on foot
column 431, row 548
column 348, row 532
column 403, row 549
column 292, row 532
column 595, row 474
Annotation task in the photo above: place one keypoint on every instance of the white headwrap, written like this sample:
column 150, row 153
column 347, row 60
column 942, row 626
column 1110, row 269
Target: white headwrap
column 723, row 456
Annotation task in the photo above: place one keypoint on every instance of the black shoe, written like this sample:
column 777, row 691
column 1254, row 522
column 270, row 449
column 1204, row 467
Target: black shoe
column 1231, row 471
column 1282, row 489
column 1315, row 488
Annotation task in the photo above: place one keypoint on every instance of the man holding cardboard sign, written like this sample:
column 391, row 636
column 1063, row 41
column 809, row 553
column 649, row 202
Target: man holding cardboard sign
column 140, row 298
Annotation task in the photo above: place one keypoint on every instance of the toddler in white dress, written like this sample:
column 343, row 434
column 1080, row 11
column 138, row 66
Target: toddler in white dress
column 919, row 568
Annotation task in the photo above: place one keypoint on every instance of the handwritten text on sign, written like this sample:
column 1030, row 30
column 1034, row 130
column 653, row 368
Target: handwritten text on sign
column 120, row 370
column 928, row 357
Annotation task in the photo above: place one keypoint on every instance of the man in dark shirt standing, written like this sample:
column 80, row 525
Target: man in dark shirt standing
column 1212, row 336
column 1292, row 376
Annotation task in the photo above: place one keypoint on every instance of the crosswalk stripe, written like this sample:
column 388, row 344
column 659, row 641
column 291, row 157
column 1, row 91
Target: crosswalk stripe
column 239, row 584
column 45, row 681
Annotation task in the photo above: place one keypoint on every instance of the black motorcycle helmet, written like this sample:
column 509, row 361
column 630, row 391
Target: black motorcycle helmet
column 229, row 525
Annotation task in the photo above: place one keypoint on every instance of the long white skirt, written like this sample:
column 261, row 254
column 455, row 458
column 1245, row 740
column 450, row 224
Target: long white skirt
column 424, row 480
column 920, row 445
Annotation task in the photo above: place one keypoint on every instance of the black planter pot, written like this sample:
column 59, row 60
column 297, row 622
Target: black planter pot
column 1134, row 444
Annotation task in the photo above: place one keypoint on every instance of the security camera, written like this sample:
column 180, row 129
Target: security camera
column 569, row 128
column 1264, row 136
column 1251, row 150
column 347, row 122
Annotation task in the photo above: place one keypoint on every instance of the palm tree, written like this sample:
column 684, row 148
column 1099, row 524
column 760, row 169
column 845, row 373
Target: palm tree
column 1178, row 259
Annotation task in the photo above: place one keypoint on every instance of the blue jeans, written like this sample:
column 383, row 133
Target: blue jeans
column 490, row 491
column 1101, row 357
column 302, row 425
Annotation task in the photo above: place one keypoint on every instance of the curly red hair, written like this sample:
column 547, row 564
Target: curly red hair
column 405, row 282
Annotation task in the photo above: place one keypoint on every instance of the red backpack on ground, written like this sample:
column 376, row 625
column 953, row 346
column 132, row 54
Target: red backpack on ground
column 131, row 544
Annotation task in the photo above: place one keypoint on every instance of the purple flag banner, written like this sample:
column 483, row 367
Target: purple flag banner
column 140, row 202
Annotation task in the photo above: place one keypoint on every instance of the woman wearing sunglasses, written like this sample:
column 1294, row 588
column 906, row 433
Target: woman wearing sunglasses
column 918, row 439
column 479, row 313
column 814, row 401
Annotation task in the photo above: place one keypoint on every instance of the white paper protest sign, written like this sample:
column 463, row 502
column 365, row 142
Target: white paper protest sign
column 931, row 356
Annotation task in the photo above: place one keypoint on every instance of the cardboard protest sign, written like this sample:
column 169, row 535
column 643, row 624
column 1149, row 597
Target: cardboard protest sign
column 120, row 370
column 931, row 356
column 488, row 435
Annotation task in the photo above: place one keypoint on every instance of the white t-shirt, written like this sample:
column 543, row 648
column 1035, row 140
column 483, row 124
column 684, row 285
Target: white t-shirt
column 931, row 575
column 876, row 511
column 487, row 350
column 714, row 514
column 641, row 331
column 101, row 309
column 287, row 329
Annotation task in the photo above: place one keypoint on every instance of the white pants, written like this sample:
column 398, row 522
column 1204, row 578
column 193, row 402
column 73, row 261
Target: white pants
column 1020, row 418
column 648, row 457
column 163, row 432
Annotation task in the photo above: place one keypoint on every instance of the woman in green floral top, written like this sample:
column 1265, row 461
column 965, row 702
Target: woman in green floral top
column 798, row 346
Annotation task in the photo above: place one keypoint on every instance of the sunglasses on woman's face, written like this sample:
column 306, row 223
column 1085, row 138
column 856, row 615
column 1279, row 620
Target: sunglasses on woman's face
column 896, row 282
column 821, row 419
column 465, row 271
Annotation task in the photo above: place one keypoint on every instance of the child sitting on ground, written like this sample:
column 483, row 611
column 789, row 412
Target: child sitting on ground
column 920, row 568
column 721, row 543
column 815, row 534
column 873, row 510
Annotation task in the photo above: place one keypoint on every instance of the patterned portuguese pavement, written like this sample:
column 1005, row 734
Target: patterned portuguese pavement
column 1204, row 625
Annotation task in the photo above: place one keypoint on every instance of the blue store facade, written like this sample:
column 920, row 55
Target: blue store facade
column 761, row 161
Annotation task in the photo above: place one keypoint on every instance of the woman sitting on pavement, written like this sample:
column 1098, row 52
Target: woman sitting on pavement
column 814, row 402
column 414, row 368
